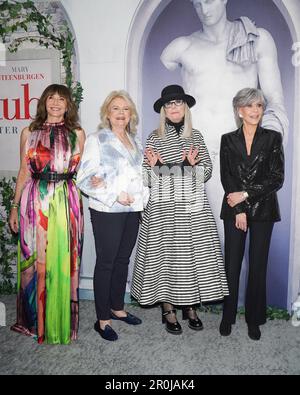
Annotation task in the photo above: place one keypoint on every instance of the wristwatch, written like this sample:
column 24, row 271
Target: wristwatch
column 245, row 195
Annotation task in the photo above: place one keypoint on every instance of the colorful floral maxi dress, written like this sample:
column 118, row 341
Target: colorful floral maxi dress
column 51, row 235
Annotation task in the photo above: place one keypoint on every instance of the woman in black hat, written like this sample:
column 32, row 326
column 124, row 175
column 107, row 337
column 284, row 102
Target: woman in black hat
column 179, row 260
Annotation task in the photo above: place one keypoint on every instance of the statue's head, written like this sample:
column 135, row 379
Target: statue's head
column 210, row 12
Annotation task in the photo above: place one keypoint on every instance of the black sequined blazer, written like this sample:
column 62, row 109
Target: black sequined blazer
column 261, row 174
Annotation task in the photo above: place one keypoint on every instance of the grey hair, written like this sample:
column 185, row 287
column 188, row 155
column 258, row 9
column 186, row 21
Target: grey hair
column 245, row 97
column 188, row 128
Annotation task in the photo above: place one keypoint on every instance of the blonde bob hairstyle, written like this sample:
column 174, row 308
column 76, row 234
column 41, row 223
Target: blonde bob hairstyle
column 105, row 108
column 188, row 128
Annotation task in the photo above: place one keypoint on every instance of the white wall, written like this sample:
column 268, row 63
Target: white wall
column 101, row 28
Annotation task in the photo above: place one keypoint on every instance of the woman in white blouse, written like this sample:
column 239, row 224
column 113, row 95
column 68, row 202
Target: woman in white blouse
column 111, row 175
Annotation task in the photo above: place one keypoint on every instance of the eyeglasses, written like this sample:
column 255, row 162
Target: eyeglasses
column 177, row 103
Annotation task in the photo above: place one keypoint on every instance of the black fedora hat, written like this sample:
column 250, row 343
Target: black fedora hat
column 173, row 92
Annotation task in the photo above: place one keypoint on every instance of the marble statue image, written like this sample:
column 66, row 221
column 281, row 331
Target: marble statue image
column 216, row 62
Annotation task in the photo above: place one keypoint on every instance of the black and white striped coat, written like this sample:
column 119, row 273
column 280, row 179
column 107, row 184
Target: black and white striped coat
column 178, row 257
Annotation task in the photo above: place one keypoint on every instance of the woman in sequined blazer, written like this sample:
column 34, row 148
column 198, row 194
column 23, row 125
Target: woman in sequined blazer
column 252, row 171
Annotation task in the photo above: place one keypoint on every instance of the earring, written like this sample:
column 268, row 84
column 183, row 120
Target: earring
column 240, row 115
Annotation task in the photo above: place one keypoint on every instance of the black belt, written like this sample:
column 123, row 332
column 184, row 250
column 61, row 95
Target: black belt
column 52, row 176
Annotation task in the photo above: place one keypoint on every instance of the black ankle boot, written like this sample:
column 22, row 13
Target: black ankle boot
column 254, row 332
column 172, row 327
column 194, row 323
column 225, row 328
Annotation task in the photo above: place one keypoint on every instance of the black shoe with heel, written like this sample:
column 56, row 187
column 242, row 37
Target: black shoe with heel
column 194, row 323
column 172, row 327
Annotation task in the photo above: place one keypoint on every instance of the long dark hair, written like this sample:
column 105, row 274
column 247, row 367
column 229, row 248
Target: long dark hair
column 71, row 116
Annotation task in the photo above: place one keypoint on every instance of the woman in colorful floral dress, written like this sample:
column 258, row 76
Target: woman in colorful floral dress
column 47, row 213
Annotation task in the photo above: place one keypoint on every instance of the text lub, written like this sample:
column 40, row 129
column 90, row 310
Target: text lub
column 19, row 108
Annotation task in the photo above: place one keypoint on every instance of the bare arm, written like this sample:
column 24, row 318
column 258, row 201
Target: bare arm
column 81, row 139
column 24, row 173
column 275, row 116
column 23, row 176
column 172, row 54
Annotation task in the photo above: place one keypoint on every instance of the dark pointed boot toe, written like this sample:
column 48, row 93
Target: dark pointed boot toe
column 254, row 332
column 225, row 328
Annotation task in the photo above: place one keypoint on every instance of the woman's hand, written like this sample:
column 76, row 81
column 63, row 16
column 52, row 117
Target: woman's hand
column 125, row 199
column 152, row 157
column 235, row 198
column 97, row 182
column 241, row 222
column 191, row 156
column 14, row 220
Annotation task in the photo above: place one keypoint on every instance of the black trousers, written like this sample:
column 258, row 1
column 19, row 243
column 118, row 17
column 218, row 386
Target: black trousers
column 259, row 244
column 115, row 236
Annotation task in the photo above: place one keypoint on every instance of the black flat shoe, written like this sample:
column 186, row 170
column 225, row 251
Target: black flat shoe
column 194, row 323
column 172, row 327
column 107, row 333
column 254, row 332
column 129, row 319
column 225, row 328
